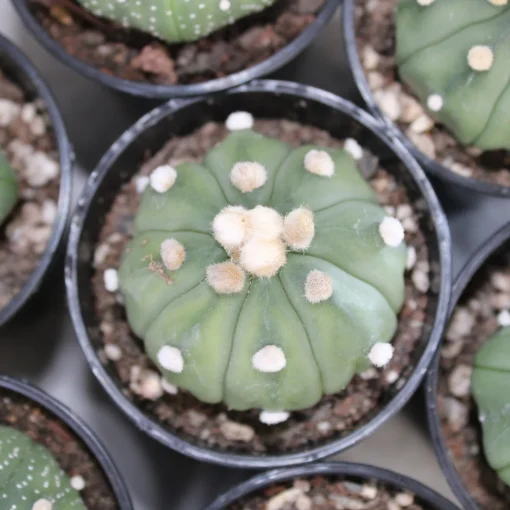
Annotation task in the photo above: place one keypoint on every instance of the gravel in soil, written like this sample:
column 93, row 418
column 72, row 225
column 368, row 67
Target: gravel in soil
column 28, row 142
column 213, row 426
column 133, row 55
column 375, row 38
column 71, row 453
column 483, row 308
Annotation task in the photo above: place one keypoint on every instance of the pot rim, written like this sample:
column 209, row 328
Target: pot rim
column 434, row 168
column 66, row 160
column 151, row 91
column 79, row 428
column 171, row 439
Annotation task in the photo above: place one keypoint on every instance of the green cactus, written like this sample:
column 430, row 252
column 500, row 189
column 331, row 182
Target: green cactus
column 491, row 390
column 264, row 277
column 454, row 55
column 30, row 478
column 8, row 188
column 177, row 20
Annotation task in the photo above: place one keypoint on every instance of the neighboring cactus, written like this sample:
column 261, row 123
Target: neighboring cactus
column 454, row 55
column 265, row 277
column 8, row 188
column 30, row 478
column 178, row 20
column 491, row 390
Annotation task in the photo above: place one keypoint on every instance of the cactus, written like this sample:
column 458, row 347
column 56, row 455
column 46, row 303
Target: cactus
column 265, row 277
column 176, row 21
column 8, row 188
column 491, row 389
column 454, row 56
column 30, row 478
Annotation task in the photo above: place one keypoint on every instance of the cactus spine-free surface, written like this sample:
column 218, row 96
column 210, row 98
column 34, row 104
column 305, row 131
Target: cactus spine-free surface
column 454, row 55
column 30, row 478
column 491, row 390
column 177, row 20
column 8, row 188
column 264, row 277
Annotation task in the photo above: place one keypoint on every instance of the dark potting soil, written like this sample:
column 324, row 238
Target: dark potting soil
column 475, row 319
column 321, row 493
column 70, row 452
column 28, row 142
column 214, row 425
column 375, row 37
column 133, row 55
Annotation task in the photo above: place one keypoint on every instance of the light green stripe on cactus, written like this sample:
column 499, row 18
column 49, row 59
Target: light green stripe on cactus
column 29, row 473
column 491, row 390
column 434, row 55
column 175, row 20
column 8, row 188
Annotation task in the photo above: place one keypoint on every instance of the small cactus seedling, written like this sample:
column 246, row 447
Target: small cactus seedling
column 177, row 20
column 454, row 55
column 264, row 277
column 8, row 188
column 491, row 390
column 30, row 478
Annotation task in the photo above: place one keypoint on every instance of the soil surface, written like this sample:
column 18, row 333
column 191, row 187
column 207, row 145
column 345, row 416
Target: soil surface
column 476, row 317
column 71, row 453
column 213, row 426
column 320, row 493
column 134, row 55
column 27, row 140
column 375, row 31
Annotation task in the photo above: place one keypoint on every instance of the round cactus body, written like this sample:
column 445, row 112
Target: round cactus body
column 491, row 390
column 8, row 188
column 264, row 277
column 454, row 55
column 177, row 20
column 30, row 478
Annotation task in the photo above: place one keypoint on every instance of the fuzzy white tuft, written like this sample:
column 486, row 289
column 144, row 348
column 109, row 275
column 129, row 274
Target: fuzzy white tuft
column 270, row 359
column 263, row 257
column 480, row 58
column 42, row 504
column 230, row 227
column 78, row 483
column 319, row 163
column 273, row 417
column 247, row 176
column 498, row 2
column 163, row 178
column 391, row 231
column 353, row 148
column 318, row 287
column 238, row 121
column 380, row 354
column 424, row 3
column 226, row 278
column 170, row 358
column 299, row 229
column 265, row 223
column 111, row 280
column 435, row 103
column 173, row 254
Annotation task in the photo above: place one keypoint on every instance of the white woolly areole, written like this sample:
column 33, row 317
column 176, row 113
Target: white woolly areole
column 273, row 417
column 263, row 257
column 435, row 103
column 424, row 3
column 42, row 504
column 498, row 2
column 226, row 278
column 173, row 254
column 230, row 227
column 480, row 58
column 111, row 280
column 170, row 358
column 353, row 148
column 247, row 176
column 319, row 163
column 270, row 359
column 392, row 231
column 78, row 483
column 318, row 286
column 163, row 178
column 224, row 5
column 299, row 229
column 238, row 121
column 380, row 354
column 504, row 318
column 265, row 223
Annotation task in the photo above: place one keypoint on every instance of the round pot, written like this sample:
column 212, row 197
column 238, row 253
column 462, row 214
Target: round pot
column 432, row 166
column 431, row 384
column 269, row 99
column 81, row 432
column 338, row 471
column 273, row 63
column 17, row 65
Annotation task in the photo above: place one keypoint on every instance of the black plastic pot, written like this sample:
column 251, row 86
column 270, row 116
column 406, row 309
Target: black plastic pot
column 476, row 262
column 76, row 425
column 269, row 99
column 338, row 471
column 17, row 66
column 430, row 165
column 273, row 63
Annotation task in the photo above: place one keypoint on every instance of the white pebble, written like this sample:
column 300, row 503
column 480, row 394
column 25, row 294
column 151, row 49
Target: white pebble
column 273, row 417
column 150, row 385
column 404, row 499
column 420, row 280
column 169, row 388
column 28, row 113
column 459, row 381
column 388, row 101
column 435, row 102
column 40, row 169
column 49, row 212
column 78, row 483
column 370, row 58
column 113, row 352
column 9, row 110
column 141, row 184
column 422, row 124
column 238, row 121
column 38, row 126
column 504, row 318
column 234, row 431
column 111, row 280
column 163, row 178
column 170, row 358
column 380, row 354
column 391, row 376
column 368, row 492
column 411, row 257
column 353, row 148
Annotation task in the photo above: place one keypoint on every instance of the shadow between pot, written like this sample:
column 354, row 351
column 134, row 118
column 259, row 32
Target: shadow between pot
column 19, row 68
column 269, row 99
